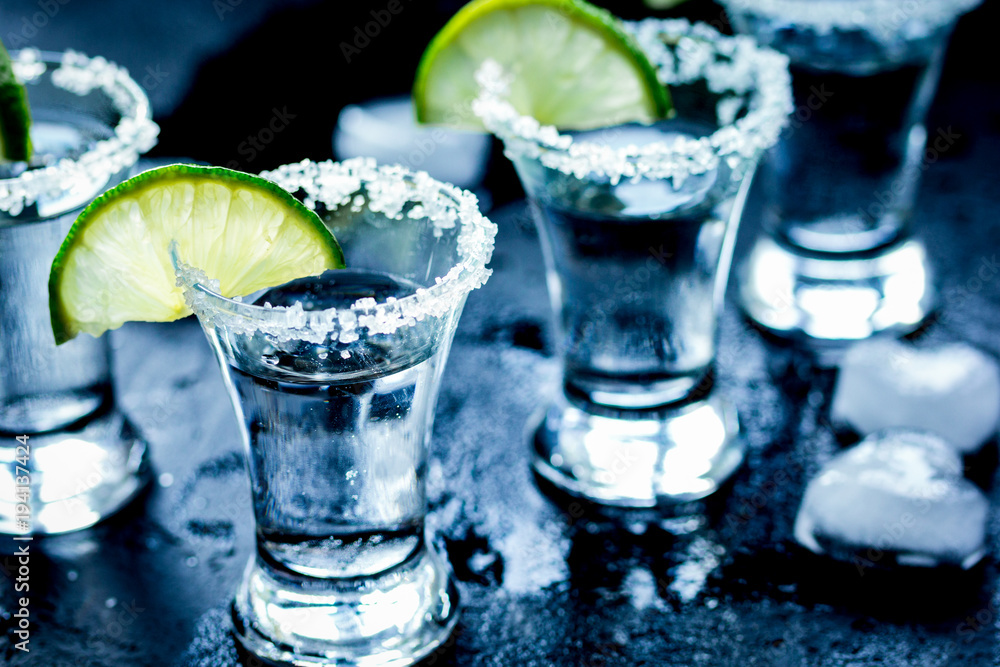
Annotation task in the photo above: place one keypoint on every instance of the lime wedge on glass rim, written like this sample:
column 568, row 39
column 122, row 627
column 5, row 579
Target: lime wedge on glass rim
column 15, row 118
column 572, row 65
column 246, row 232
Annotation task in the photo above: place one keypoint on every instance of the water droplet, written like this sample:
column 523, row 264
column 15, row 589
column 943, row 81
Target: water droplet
column 351, row 474
column 637, row 527
column 270, row 359
column 192, row 561
column 345, row 355
column 110, row 603
column 72, row 575
column 166, row 480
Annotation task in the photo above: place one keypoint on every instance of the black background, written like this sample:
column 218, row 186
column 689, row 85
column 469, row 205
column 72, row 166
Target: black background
column 542, row 582
column 216, row 70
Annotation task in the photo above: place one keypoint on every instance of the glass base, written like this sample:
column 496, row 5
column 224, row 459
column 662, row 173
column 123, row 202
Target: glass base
column 832, row 300
column 77, row 477
column 635, row 393
column 639, row 458
column 394, row 618
column 55, row 411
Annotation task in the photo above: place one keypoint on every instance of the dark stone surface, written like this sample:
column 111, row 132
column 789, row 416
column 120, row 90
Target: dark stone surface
column 545, row 583
column 542, row 583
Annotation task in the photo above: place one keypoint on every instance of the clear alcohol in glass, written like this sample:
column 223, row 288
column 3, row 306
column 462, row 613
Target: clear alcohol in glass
column 633, row 271
column 337, row 456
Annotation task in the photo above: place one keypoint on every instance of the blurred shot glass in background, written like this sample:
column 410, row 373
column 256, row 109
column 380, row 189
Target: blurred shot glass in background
column 836, row 261
column 91, row 122
column 385, row 129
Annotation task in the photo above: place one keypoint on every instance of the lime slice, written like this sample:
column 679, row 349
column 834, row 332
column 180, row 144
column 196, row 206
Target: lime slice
column 114, row 266
column 15, row 118
column 572, row 65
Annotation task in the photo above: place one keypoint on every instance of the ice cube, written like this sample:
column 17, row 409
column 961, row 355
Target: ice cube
column 899, row 495
column 952, row 390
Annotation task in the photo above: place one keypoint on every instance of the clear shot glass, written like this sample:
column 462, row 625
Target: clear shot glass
column 637, row 225
column 91, row 122
column 837, row 261
column 334, row 380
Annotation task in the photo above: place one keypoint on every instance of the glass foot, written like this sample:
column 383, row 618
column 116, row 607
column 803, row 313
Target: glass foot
column 839, row 300
column 641, row 458
column 393, row 618
column 77, row 477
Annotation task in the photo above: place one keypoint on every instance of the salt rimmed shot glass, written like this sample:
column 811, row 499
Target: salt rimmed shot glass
column 69, row 456
column 637, row 225
column 334, row 380
column 838, row 261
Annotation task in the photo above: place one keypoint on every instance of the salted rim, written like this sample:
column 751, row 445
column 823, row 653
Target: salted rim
column 393, row 191
column 871, row 15
column 78, row 74
column 735, row 65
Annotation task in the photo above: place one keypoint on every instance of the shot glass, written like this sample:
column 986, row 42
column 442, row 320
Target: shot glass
column 80, row 459
column 334, row 380
column 837, row 261
column 637, row 225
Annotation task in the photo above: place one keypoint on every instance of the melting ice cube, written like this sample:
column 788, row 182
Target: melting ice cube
column 898, row 496
column 952, row 390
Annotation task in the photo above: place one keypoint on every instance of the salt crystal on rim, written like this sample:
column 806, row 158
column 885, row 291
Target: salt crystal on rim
column 919, row 18
column 77, row 74
column 683, row 53
column 393, row 191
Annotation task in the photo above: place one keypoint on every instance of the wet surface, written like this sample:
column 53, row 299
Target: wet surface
column 546, row 581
